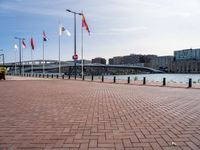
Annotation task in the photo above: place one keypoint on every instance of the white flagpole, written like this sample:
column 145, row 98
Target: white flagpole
column 32, row 62
column 43, row 55
column 59, row 34
column 15, row 63
column 22, row 62
column 82, row 49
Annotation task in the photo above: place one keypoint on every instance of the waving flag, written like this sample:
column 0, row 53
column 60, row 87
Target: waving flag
column 32, row 43
column 23, row 44
column 62, row 30
column 44, row 36
column 84, row 24
column 16, row 47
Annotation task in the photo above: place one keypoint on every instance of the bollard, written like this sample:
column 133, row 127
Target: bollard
column 114, row 79
column 43, row 75
column 92, row 78
column 102, row 79
column 83, row 78
column 63, row 76
column 47, row 75
column 144, row 81
column 128, row 80
column 36, row 75
column 190, row 83
column 52, row 76
column 69, row 77
column 164, row 81
column 57, row 76
column 39, row 75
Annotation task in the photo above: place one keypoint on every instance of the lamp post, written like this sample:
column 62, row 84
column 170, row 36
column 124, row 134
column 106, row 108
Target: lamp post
column 75, row 57
column 20, row 57
column 3, row 57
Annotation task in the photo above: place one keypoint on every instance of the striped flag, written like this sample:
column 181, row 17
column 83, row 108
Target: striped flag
column 84, row 24
column 44, row 36
column 23, row 44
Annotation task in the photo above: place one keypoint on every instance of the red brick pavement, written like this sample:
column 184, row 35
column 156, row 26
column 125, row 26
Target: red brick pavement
column 72, row 115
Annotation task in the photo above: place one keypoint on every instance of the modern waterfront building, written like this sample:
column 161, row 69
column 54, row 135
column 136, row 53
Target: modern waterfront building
column 187, row 54
column 163, row 63
column 132, row 59
column 186, row 66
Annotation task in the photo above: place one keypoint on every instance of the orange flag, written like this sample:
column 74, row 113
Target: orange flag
column 84, row 24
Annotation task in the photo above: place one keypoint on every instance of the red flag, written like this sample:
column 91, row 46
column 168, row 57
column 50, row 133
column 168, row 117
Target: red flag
column 23, row 44
column 32, row 43
column 84, row 24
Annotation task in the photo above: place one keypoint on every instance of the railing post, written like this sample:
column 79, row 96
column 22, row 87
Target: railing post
column 164, row 81
column 92, row 78
column 128, row 80
column 190, row 83
column 144, row 81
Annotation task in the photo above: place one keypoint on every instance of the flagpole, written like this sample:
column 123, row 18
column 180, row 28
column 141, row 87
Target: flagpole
column 22, row 62
column 32, row 62
column 15, row 62
column 59, row 49
column 82, row 49
column 43, row 56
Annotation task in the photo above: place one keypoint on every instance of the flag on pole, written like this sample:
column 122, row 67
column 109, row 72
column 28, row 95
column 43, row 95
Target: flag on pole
column 84, row 24
column 16, row 47
column 23, row 44
column 32, row 43
column 62, row 30
column 44, row 36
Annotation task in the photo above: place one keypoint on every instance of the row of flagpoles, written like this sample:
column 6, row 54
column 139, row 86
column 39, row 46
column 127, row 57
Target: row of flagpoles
column 62, row 30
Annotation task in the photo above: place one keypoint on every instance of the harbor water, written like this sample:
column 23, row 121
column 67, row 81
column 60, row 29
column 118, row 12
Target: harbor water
column 175, row 78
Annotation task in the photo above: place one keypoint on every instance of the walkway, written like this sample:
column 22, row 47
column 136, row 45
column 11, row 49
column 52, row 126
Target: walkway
column 72, row 115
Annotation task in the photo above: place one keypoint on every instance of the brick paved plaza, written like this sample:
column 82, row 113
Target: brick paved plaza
column 72, row 115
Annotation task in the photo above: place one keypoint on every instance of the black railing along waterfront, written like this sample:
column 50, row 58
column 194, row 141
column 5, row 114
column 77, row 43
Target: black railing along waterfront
column 144, row 81
column 164, row 81
column 102, row 78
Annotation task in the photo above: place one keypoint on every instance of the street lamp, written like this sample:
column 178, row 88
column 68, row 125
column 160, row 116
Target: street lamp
column 20, row 57
column 3, row 57
column 75, row 57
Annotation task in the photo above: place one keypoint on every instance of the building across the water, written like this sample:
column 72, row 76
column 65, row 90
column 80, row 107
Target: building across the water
column 99, row 60
column 187, row 54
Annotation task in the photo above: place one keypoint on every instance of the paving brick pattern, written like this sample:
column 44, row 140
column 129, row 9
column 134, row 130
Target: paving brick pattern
column 76, row 115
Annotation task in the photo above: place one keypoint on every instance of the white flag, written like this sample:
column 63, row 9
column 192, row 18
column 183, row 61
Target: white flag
column 16, row 47
column 62, row 30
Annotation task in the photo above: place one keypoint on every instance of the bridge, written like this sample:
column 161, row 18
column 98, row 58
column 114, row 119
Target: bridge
column 51, row 66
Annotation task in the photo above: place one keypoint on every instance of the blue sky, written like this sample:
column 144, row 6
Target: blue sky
column 117, row 27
